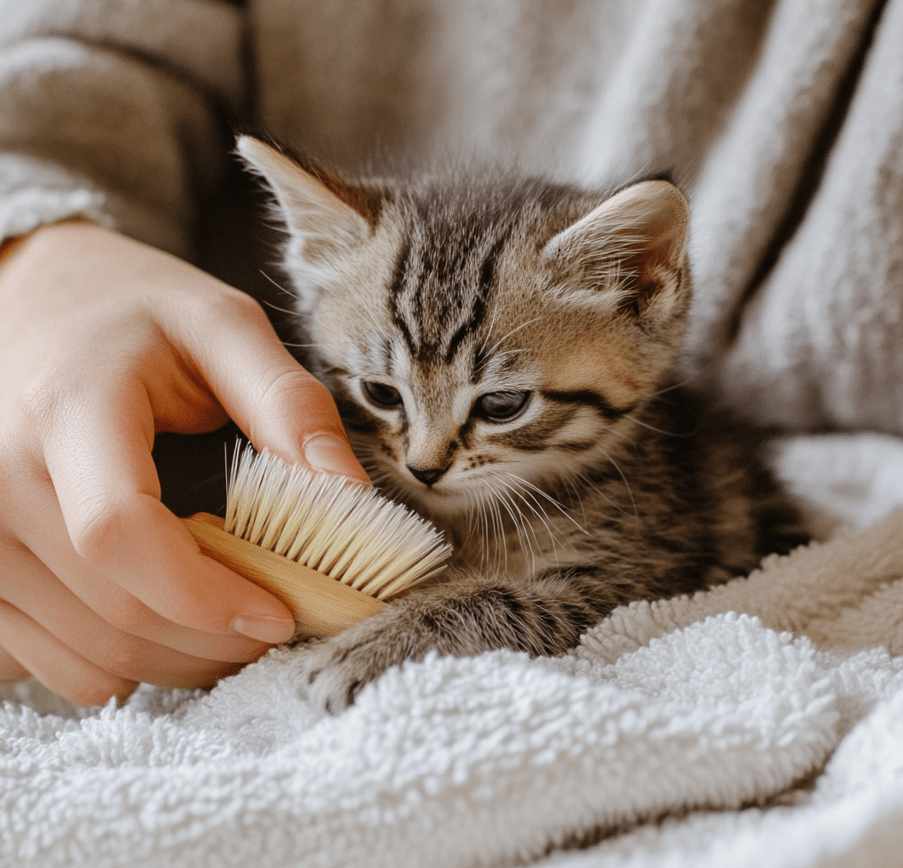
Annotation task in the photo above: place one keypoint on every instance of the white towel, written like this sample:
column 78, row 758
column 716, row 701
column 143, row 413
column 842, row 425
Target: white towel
column 666, row 708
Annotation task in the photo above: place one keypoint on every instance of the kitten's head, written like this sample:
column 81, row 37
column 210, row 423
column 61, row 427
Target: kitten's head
column 483, row 335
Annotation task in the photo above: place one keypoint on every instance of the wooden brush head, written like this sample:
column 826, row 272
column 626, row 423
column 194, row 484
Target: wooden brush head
column 331, row 550
column 338, row 528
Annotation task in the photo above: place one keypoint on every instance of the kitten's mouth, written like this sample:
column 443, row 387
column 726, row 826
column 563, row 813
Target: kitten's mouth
column 441, row 496
column 437, row 491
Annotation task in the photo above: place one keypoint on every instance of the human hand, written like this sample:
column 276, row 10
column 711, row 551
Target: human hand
column 103, row 342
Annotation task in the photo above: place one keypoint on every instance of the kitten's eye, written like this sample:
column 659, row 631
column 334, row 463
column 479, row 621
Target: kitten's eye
column 382, row 395
column 502, row 406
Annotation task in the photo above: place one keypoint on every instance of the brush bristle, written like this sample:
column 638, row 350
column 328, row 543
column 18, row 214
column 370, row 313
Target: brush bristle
column 347, row 532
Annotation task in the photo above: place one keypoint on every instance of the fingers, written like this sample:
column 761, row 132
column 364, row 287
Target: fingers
column 55, row 665
column 106, row 486
column 106, row 596
column 100, row 584
column 268, row 394
column 47, row 623
column 10, row 669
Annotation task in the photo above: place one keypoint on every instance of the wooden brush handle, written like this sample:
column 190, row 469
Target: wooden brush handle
column 321, row 606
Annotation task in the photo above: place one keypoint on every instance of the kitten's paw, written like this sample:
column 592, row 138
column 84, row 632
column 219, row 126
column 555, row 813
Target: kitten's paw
column 333, row 671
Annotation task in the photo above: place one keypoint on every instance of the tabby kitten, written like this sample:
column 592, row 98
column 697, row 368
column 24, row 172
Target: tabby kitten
column 502, row 353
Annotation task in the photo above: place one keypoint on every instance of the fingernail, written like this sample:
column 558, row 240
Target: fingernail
column 263, row 628
column 332, row 454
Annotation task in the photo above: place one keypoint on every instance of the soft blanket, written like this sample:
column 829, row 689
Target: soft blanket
column 760, row 722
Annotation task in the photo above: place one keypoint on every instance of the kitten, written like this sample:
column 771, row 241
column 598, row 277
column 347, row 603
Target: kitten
column 502, row 353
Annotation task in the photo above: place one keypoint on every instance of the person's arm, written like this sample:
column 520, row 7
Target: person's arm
column 106, row 340
column 115, row 111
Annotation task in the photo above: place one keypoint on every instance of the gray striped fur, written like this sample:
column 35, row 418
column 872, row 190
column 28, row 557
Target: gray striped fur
column 611, row 484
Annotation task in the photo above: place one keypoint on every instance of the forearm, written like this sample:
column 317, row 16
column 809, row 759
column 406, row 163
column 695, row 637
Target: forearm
column 113, row 111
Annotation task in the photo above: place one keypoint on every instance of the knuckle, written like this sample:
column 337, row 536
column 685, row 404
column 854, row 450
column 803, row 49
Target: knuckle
column 196, row 311
column 298, row 392
column 229, row 303
column 128, row 614
column 96, row 530
column 294, row 398
column 126, row 656
column 289, row 384
column 39, row 399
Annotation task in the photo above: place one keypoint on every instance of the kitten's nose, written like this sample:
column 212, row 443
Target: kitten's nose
column 427, row 475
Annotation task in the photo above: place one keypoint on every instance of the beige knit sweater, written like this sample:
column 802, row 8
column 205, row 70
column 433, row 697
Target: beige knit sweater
column 783, row 119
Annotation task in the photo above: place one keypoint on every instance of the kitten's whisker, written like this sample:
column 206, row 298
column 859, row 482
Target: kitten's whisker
column 569, row 481
column 559, row 506
column 499, row 525
column 290, row 293
column 486, row 524
column 516, row 518
column 677, row 385
column 379, row 474
column 472, row 515
column 301, row 346
column 514, row 484
column 484, row 527
column 473, row 522
column 614, row 464
column 522, row 520
column 588, row 482
column 276, row 307
column 530, row 501
column 488, row 335
column 640, row 422
column 540, row 514
column 514, row 351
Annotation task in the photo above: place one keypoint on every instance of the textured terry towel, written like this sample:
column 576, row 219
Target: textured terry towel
column 665, row 708
column 687, row 735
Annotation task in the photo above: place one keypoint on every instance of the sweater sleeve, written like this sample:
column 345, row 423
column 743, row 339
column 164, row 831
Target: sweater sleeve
column 113, row 110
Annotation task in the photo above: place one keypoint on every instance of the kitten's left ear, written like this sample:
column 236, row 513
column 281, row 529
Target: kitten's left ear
column 324, row 215
column 630, row 251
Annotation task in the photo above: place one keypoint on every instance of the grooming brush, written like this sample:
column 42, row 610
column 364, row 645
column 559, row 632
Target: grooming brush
column 334, row 553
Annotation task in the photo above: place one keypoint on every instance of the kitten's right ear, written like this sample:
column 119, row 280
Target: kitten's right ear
column 630, row 251
column 319, row 218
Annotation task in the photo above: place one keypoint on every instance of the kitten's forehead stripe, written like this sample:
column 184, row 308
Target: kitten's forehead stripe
column 398, row 281
column 478, row 310
column 444, row 275
column 385, row 352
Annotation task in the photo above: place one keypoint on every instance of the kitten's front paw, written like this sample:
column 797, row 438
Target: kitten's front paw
column 333, row 671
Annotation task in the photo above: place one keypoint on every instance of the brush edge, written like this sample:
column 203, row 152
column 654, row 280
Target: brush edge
column 320, row 605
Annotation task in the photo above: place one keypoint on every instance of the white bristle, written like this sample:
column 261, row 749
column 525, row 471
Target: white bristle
column 347, row 532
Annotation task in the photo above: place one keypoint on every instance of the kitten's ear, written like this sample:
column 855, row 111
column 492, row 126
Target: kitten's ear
column 630, row 251
column 322, row 213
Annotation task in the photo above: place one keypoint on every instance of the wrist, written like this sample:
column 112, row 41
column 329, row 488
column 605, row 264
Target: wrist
column 10, row 245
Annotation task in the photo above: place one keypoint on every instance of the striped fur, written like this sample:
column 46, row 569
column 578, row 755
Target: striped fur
column 502, row 352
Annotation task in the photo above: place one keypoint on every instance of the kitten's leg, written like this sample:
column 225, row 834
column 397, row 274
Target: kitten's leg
column 462, row 617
